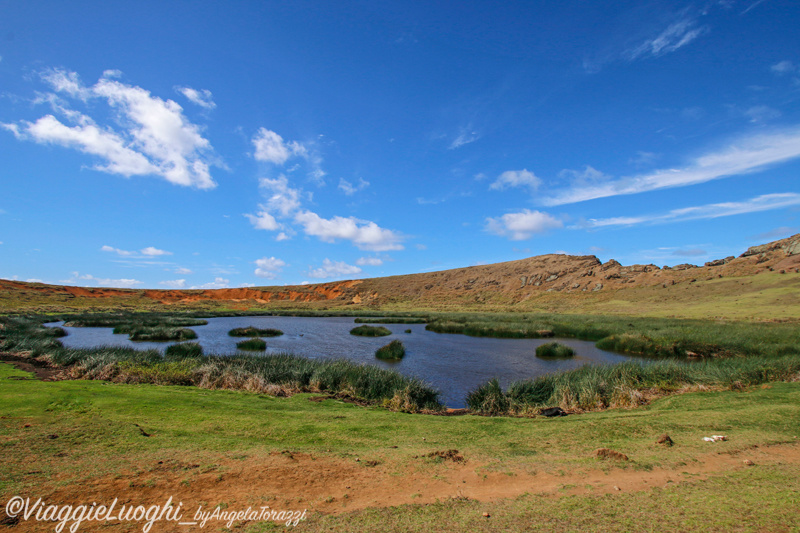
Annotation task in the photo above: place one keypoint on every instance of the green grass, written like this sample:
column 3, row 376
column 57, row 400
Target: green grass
column 370, row 331
column 252, row 344
column 252, row 331
column 392, row 351
column 554, row 350
column 97, row 427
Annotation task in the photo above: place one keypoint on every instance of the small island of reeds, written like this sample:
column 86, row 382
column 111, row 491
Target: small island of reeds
column 255, row 345
column 251, row 331
column 370, row 331
column 392, row 351
column 554, row 350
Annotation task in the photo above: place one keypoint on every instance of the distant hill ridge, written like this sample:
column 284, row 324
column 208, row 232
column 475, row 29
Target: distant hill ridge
column 548, row 282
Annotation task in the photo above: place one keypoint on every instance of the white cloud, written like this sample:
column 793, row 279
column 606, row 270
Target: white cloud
column 174, row 284
column 218, row 283
column 522, row 225
column 349, row 189
column 271, row 148
column 283, row 199
column 263, row 220
column 333, row 269
column 269, row 267
column 369, row 261
column 34, row 280
column 764, row 202
column 761, row 113
column 465, row 136
column 750, row 154
column 516, row 178
column 677, row 35
column 784, row 67
column 364, row 234
column 103, row 282
column 123, row 253
column 150, row 251
column 203, row 98
column 182, row 270
column 153, row 136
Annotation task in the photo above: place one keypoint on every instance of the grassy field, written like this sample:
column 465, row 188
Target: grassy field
column 73, row 439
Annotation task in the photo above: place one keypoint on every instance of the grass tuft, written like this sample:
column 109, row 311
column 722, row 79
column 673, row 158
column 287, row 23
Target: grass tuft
column 252, row 344
column 554, row 350
column 252, row 331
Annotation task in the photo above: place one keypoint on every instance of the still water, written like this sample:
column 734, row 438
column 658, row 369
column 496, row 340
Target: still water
column 454, row 364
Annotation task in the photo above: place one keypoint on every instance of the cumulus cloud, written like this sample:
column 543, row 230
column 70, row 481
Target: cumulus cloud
column 765, row 202
column 675, row 36
column 269, row 267
column 523, row 225
column 263, row 220
column 271, row 148
column 516, row 178
column 203, row 98
column 364, row 234
column 333, row 269
column 153, row 252
column 152, row 137
column 747, row 155
column 349, row 189
column 174, row 284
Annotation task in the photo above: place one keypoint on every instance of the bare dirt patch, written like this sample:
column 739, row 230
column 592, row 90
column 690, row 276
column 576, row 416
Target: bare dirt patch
column 294, row 480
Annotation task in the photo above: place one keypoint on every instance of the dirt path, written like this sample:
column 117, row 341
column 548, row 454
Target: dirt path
column 42, row 371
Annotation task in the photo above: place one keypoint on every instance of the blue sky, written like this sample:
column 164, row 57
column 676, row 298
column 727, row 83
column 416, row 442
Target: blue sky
column 227, row 144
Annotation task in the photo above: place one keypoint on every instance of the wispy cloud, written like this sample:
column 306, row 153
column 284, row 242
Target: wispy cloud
column 674, row 37
column 749, row 154
column 522, row 225
column 764, row 202
column 81, row 279
column 153, row 136
column 369, row 261
column 218, row 283
column 150, row 251
column 777, row 233
column 333, row 269
column 174, row 284
column 203, row 98
column 466, row 135
column 349, row 189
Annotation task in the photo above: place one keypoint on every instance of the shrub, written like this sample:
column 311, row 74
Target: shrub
column 370, row 331
column 393, row 350
column 554, row 350
column 252, row 344
column 251, row 331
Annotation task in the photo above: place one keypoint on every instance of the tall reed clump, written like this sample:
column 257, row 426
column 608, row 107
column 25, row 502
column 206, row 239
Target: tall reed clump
column 163, row 334
column 182, row 364
column 392, row 351
column 370, row 331
column 628, row 384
